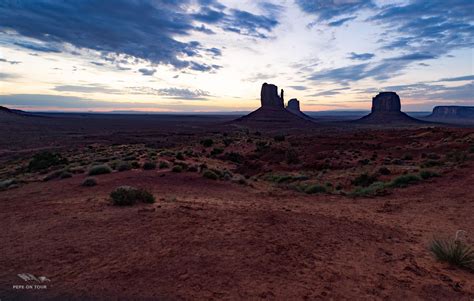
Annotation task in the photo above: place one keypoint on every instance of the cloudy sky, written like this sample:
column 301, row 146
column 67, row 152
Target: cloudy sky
column 213, row 55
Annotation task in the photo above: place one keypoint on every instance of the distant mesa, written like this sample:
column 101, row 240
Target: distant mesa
column 386, row 109
column 272, row 109
column 450, row 113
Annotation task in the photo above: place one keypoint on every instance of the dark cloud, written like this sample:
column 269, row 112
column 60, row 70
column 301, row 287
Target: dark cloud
column 434, row 26
column 38, row 47
column 147, row 72
column 361, row 56
column 382, row 70
column 175, row 93
column 435, row 91
column 327, row 10
column 184, row 93
column 9, row 62
column 146, row 30
column 458, row 79
column 331, row 92
column 299, row 88
column 92, row 88
column 341, row 22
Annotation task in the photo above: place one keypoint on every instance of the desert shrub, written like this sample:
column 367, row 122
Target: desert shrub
column 130, row 158
column 209, row 174
column 177, row 168
column 408, row 157
column 166, row 153
column 135, row 165
column 99, row 170
column 234, row 157
column 179, row 156
column 65, row 175
column 124, row 166
column 431, row 163
column 384, row 171
column 404, row 180
column 45, row 160
column 5, row 184
column 283, row 178
column 216, row 151
column 163, row 164
column 127, row 196
column 227, row 141
column 279, row 138
column 376, row 188
column 292, row 157
column 207, row 142
column 432, row 156
column 315, row 188
column 149, row 165
column 364, row 161
column 456, row 156
column 192, row 168
column 364, row 180
column 89, row 182
column 454, row 252
column 427, row 174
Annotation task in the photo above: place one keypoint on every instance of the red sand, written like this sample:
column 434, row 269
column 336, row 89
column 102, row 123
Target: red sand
column 217, row 240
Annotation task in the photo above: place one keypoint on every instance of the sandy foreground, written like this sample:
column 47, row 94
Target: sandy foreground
column 207, row 239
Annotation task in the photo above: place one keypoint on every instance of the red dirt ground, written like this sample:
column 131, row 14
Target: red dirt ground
column 218, row 240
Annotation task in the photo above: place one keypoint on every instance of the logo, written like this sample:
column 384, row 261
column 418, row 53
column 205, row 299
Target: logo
column 33, row 282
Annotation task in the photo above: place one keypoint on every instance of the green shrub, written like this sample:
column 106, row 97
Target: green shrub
column 427, row 174
column 149, row 165
column 124, row 166
column 384, row 171
column 127, row 196
column 89, row 182
column 405, row 180
column 364, row 180
column 431, row 163
column 315, row 188
column 216, row 151
column 135, row 165
column 207, row 142
column 45, row 160
column 192, row 168
column 234, row 157
column 209, row 174
column 454, row 252
column 163, row 164
column 65, row 175
column 279, row 138
column 180, row 156
column 99, row 170
column 376, row 188
column 292, row 157
column 177, row 168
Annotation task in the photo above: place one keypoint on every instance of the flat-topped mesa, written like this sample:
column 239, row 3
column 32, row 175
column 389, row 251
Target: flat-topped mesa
column 269, row 96
column 453, row 112
column 386, row 102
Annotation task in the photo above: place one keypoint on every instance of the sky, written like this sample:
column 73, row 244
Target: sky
column 214, row 55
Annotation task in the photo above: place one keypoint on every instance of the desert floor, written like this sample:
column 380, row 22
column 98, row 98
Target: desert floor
column 245, row 239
